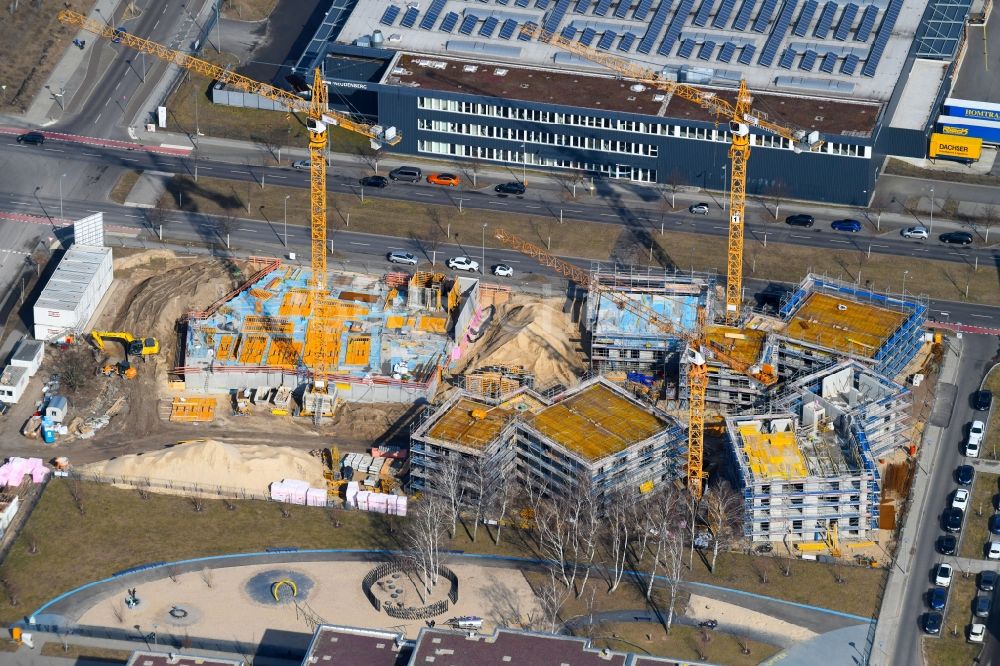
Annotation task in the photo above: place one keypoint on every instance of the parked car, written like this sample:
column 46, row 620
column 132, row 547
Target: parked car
column 942, row 576
column 699, row 209
column 965, row 475
column 972, row 448
column 960, row 499
column 932, row 623
column 449, row 179
column 800, row 220
column 937, row 598
column 994, row 524
column 981, row 607
column 993, row 550
column 915, row 232
column 463, row 264
column 303, row 165
column 946, row 544
column 952, row 519
column 34, row 138
column 853, row 226
column 956, row 238
column 976, row 432
column 503, row 270
column 399, row 257
column 406, row 174
column 374, row 181
column 977, row 632
column 987, row 580
column 510, row 188
column 982, row 400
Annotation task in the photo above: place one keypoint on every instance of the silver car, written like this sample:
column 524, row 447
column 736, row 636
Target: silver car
column 402, row 258
column 699, row 209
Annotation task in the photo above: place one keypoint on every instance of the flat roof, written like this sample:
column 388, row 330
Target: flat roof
column 142, row 658
column 843, row 324
column 470, row 423
column 12, row 375
column 743, row 344
column 608, row 93
column 452, row 648
column 596, row 422
column 772, row 46
column 771, row 455
column 350, row 646
column 916, row 103
column 72, row 277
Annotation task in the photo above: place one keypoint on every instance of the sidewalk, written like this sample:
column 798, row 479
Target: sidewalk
column 888, row 627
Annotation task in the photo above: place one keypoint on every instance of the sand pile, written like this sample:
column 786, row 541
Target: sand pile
column 211, row 463
column 537, row 335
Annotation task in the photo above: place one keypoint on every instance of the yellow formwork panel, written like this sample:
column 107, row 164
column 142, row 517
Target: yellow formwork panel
column 260, row 324
column 272, row 284
column 296, row 303
column 341, row 310
column 192, row 410
column 433, row 324
column 772, row 455
column 844, row 325
column 284, row 352
column 252, row 349
column 359, row 349
column 331, row 331
column 227, row 348
column 395, row 321
column 261, row 294
column 744, row 345
column 459, row 426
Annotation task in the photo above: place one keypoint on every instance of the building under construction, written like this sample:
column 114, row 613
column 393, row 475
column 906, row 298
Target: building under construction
column 385, row 338
column 803, row 475
column 621, row 340
column 595, row 430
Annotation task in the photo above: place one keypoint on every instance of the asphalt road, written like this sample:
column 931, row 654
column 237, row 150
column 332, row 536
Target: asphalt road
column 976, row 351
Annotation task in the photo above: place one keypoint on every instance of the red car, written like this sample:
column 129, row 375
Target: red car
column 449, row 179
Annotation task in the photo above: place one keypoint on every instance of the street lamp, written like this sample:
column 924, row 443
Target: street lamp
column 60, row 196
column 524, row 165
column 930, row 231
column 483, row 265
column 725, row 186
column 905, row 273
column 286, row 219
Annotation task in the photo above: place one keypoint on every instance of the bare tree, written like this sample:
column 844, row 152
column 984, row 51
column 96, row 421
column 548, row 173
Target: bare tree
column 556, row 532
column 198, row 504
column 118, row 610
column 695, row 509
column 207, row 577
column 551, row 597
column 617, row 535
column 423, row 536
column 499, row 502
column 75, row 366
column 722, row 514
column 989, row 219
column 76, row 493
column 29, row 536
column 588, row 530
column 675, row 179
column 271, row 141
column 482, row 476
column 450, row 485
column 673, row 550
column 663, row 509
column 777, row 192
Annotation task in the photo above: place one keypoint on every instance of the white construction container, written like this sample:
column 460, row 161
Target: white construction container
column 57, row 408
column 13, row 382
column 28, row 354
column 72, row 294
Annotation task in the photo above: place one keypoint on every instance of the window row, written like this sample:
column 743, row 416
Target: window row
column 622, row 171
column 544, row 138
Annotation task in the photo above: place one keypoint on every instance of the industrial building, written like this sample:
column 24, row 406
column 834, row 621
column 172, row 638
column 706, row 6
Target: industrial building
column 385, row 338
column 803, row 474
column 594, row 430
column 73, row 292
column 461, row 80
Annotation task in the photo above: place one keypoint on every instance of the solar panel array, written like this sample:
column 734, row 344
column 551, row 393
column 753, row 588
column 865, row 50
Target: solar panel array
column 829, row 62
column 787, row 58
column 706, row 50
column 825, row 20
column 805, row 18
column 521, row 3
column 410, row 17
column 674, row 31
column 722, row 15
column 607, row 39
column 433, row 12
column 581, row 6
column 882, row 37
column 849, row 65
column 846, row 22
column 468, row 23
column 626, row 44
column 507, row 29
column 743, row 18
column 556, row 16
column 588, row 36
column 488, row 26
column 808, row 61
column 727, row 51
column 542, row 4
column 701, row 18
column 655, row 26
column 390, row 14
column 764, row 17
column 747, row 54
column 685, row 49
column 569, row 32
column 602, row 7
column 868, row 17
column 622, row 9
column 777, row 34
column 449, row 22
column 525, row 36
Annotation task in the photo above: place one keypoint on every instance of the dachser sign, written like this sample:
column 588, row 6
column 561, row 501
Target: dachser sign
column 944, row 145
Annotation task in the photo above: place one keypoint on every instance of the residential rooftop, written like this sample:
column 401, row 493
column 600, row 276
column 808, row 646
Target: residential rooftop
column 744, row 345
column 351, row 646
column 779, row 447
column 143, row 658
column 597, row 422
column 470, row 423
column 843, row 325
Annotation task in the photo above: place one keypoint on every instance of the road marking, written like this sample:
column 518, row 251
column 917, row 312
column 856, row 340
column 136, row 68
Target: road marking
column 839, row 241
column 93, row 211
column 423, row 194
column 499, row 203
column 54, row 150
column 253, row 231
column 356, row 243
column 129, row 159
column 716, row 227
column 956, row 254
column 247, row 173
column 119, row 83
column 135, row 216
column 608, row 215
column 98, row 116
column 206, row 168
column 274, row 176
column 873, row 245
column 572, row 210
column 982, row 316
column 156, row 24
column 21, row 203
column 532, row 206
column 92, row 154
column 796, row 236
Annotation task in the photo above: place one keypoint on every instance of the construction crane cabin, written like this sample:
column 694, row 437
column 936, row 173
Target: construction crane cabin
column 741, row 118
column 319, row 118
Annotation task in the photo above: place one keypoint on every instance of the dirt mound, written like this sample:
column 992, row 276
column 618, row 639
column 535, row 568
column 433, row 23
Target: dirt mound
column 140, row 259
column 211, row 463
column 537, row 335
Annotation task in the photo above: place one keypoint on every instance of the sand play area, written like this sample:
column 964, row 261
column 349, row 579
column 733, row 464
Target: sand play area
column 202, row 603
column 536, row 334
column 210, row 463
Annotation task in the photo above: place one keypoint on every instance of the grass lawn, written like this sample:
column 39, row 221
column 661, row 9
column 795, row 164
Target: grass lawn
column 682, row 643
column 84, row 652
column 901, row 168
column 429, row 224
column 951, row 650
column 975, row 532
column 190, row 110
column 124, row 185
column 248, row 10
column 991, row 443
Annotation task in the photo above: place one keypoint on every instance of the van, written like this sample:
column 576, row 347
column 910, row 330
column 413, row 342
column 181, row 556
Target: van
column 407, row 174
column 800, row 220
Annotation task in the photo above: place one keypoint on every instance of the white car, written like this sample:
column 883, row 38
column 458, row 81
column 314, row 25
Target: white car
column 994, row 551
column 972, row 449
column 961, row 499
column 916, row 232
column 976, row 432
column 942, row 577
column 503, row 270
column 463, row 264
column 398, row 257
column 977, row 633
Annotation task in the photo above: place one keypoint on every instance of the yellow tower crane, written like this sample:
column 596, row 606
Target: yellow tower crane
column 697, row 365
column 319, row 118
column 741, row 118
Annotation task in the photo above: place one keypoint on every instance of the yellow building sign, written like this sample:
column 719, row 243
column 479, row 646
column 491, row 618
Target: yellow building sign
column 943, row 145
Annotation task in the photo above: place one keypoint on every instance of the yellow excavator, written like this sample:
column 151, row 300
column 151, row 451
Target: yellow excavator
column 133, row 346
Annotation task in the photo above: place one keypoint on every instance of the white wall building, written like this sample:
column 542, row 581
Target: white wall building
column 13, row 382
